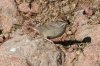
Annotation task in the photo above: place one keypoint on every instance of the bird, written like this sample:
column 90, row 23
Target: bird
column 52, row 30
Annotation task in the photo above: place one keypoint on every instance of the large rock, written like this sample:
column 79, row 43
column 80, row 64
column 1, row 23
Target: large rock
column 37, row 52
column 8, row 15
column 89, row 33
column 91, row 56
column 84, row 30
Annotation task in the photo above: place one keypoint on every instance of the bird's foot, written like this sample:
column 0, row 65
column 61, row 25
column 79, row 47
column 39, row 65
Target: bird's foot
column 48, row 40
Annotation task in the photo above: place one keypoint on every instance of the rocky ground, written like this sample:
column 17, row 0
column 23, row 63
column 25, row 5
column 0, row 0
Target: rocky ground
column 22, row 45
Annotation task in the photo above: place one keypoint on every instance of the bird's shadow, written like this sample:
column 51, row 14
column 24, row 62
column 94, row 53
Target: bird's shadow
column 71, row 42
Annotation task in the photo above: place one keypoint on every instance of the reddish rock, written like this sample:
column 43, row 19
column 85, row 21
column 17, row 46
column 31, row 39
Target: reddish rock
column 24, row 7
column 83, row 29
column 6, row 24
column 79, row 21
column 9, row 14
column 7, row 36
column 91, row 56
column 34, row 7
column 88, row 11
column 11, row 60
column 88, row 8
column 1, row 39
column 92, row 31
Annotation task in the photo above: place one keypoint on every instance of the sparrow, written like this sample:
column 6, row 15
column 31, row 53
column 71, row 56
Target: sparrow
column 52, row 30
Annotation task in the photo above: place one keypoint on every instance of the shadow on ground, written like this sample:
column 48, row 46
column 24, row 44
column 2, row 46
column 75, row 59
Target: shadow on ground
column 71, row 42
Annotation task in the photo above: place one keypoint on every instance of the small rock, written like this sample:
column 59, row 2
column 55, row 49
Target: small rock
column 88, row 11
column 66, row 9
column 24, row 7
column 1, row 39
column 7, row 36
column 34, row 7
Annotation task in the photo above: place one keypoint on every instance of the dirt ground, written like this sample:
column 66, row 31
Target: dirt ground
column 80, row 43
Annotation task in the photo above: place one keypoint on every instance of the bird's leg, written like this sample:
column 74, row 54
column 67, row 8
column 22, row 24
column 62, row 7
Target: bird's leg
column 45, row 38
